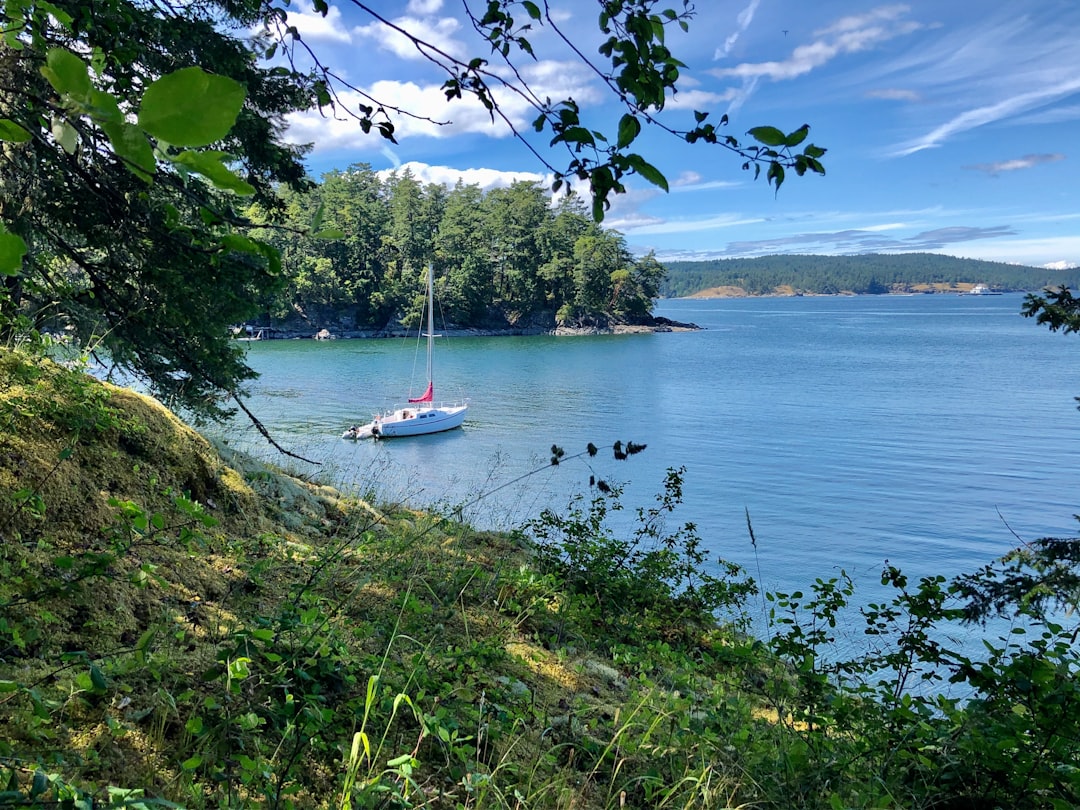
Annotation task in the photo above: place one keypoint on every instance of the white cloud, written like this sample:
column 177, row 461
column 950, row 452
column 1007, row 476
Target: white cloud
column 1060, row 251
column 425, row 35
column 847, row 35
column 745, row 17
column 1056, row 115
column 894, row 94
column 1015, row 67
column 988, row 114
column 1016, row 164
column 693, row 225
column 448, row 176
column 1060, row 265
column 314, row 27
column 698, row 99
column 632, row 221
column 885, row 226
column 707, row 186
column 424, row 7
column 433, row 116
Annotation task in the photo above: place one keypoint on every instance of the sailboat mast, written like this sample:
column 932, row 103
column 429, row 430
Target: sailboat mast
column 430, row 319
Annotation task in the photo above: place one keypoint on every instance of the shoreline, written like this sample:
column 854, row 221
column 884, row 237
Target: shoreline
column 659, row 325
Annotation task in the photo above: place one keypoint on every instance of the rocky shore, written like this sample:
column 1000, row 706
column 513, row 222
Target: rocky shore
column 306, row 331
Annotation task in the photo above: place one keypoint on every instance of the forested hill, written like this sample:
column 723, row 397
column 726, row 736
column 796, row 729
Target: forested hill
column 868, row 274
column 502, row 258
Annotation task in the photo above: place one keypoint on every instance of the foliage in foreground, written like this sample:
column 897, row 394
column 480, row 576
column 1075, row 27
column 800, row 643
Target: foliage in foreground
column 178, row 630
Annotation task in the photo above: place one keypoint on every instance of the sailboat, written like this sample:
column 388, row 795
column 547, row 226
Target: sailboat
column 421, row 415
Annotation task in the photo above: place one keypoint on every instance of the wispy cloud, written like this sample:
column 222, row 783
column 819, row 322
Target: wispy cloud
column 697, row 99
column 1012, row 67
column 690, row 225
column 1016, row 164
column 700, row 185
column 894, row 94
column 1056, row 115
column 988, row 114
column 863, row 240
column 745, row 17
column 847, row 35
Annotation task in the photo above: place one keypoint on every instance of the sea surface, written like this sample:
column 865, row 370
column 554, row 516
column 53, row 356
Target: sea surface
column 932, row 431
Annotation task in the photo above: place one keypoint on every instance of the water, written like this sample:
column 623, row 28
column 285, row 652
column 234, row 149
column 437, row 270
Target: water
column 924, row 430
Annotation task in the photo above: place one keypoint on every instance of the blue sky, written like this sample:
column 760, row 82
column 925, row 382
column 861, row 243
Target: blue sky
column 951, row 127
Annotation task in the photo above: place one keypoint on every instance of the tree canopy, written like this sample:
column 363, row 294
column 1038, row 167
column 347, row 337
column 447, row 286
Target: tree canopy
column 131, row 129
column 505, row 258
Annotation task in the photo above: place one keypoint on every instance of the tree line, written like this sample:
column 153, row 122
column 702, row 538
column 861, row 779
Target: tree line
column 865, row 275
column 502, row 257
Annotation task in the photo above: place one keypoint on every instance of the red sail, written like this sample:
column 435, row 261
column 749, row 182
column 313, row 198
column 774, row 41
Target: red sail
column 428, row 395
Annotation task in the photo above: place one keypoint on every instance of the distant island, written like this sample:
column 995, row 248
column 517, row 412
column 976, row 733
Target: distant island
column 871, row 274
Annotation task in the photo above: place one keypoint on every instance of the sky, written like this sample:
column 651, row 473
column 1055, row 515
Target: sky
column 951, row 127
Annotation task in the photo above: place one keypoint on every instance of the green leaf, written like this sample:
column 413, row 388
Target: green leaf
column 132, row 147
column 629, row 129
column 39, row 785
column 243, row 244
column 775, row 176
column 578, row 135
column 798, row 136
column 10, row 131
column 191, row 763
column 238, row 668
column 211, row 166
column 531, row 9
column 68, row 74
column 9, row 686
column 191, row 107
column 317, row 217
column 194, row 726
column 12, row 250
column 770, row 136
column 812, row 151
column 648, row 171
column 97, row 678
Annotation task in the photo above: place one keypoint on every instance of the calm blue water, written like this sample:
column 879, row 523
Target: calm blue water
column 923, row 430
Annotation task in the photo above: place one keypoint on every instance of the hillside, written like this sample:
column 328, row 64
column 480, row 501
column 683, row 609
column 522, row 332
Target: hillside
column 183, row 626
column 867, row 274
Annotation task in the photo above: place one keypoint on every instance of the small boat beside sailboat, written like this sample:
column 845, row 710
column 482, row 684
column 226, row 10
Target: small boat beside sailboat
column 421, row 415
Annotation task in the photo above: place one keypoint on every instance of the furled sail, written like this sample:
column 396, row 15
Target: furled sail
column 428, row 396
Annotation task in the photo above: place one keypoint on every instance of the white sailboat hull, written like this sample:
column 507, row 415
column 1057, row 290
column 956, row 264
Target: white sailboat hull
column 410, row 421
column 418, row 421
